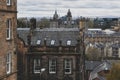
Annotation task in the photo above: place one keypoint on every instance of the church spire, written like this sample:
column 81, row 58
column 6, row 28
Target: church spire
column 55, row 16
column 69, row 13
column 69, row 16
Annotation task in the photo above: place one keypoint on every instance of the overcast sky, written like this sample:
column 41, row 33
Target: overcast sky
column 87, row 8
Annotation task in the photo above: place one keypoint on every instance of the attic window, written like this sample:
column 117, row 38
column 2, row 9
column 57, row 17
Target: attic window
column 73, row 22
column 52, row 42
column 65, row 22
column 38, row 42
column 68, row 42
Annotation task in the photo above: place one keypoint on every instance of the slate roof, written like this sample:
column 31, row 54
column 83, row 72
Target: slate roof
column 104, row 66
column 49, row 34
column 90, row 65
column 116, row 45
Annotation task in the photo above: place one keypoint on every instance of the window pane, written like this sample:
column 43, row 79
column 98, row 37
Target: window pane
column 68, row 64
column 38, row 42
column 8, row 2
column 52, row 42
column 8, row 24
column 68, row 42
column 52, row 66
column 37, row 66
column 8, row 63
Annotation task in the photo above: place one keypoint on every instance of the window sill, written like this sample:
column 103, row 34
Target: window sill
column 9, row 5
column 8, row 72
column 8, row 39
column 68, row 73
column 52, row 72
column 36, row 72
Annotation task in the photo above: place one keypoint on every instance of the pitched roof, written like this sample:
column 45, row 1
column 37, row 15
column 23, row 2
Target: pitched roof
column 90, row 65
column 104, row 66
column 56, row 34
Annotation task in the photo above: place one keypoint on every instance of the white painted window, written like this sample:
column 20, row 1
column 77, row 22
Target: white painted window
column 38, row 42
column 8, row 2
column 52, row 66
column 52, row 42
column 8, row 30
column 68, row 66
column 8, row 63
column 36, row 66
column 68, row 42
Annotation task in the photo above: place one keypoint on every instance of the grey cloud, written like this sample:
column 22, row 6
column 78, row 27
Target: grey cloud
column 78, row 6
column 70, row 0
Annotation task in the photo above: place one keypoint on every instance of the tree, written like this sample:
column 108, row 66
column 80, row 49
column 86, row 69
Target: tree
column 23, row 23
column 92, row 53
column 43, row 23
column 114, row 73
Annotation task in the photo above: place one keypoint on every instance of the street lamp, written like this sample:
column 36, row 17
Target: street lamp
column 41, row 71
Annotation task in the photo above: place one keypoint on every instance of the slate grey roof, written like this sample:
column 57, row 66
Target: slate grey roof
column 104, row 66
column 57, row 34
column 116, row 45
column 90, row 65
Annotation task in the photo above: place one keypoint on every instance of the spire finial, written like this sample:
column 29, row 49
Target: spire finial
column 55, row 16
column 69, row 13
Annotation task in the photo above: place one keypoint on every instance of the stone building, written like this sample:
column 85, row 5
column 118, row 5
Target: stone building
column 8, row 56
column 50, row 53
column 108, row 42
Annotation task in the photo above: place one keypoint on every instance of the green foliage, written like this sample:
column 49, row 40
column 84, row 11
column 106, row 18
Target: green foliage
column 114, row 73
column 23, row 23
column 90, row 23
column 92, row 54
column 33, row 23
column 43, row 23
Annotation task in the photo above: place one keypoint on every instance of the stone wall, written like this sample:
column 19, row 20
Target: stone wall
column 8, row 46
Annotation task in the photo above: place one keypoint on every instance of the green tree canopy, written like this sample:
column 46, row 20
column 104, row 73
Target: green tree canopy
column 114, row 73
column 93, row 53
column 43, row 23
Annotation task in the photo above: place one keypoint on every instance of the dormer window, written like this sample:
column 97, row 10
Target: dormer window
column 65, row 22
column 73, row 22
column 8, row 2
column 38, row 42
column 68, row 42
column 52, row 42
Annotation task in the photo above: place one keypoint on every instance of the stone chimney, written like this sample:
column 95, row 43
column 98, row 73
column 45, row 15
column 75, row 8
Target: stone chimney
column 32, row 23
column 29, row 40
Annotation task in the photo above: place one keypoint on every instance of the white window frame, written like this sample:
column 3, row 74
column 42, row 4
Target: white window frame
column 8, row 63
column 69, row 42
column 52, row 42
column 36, row 63
column 68, row 66
column 52, row 66
column 8, row 30
column 8, row 2
column 38, row 42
